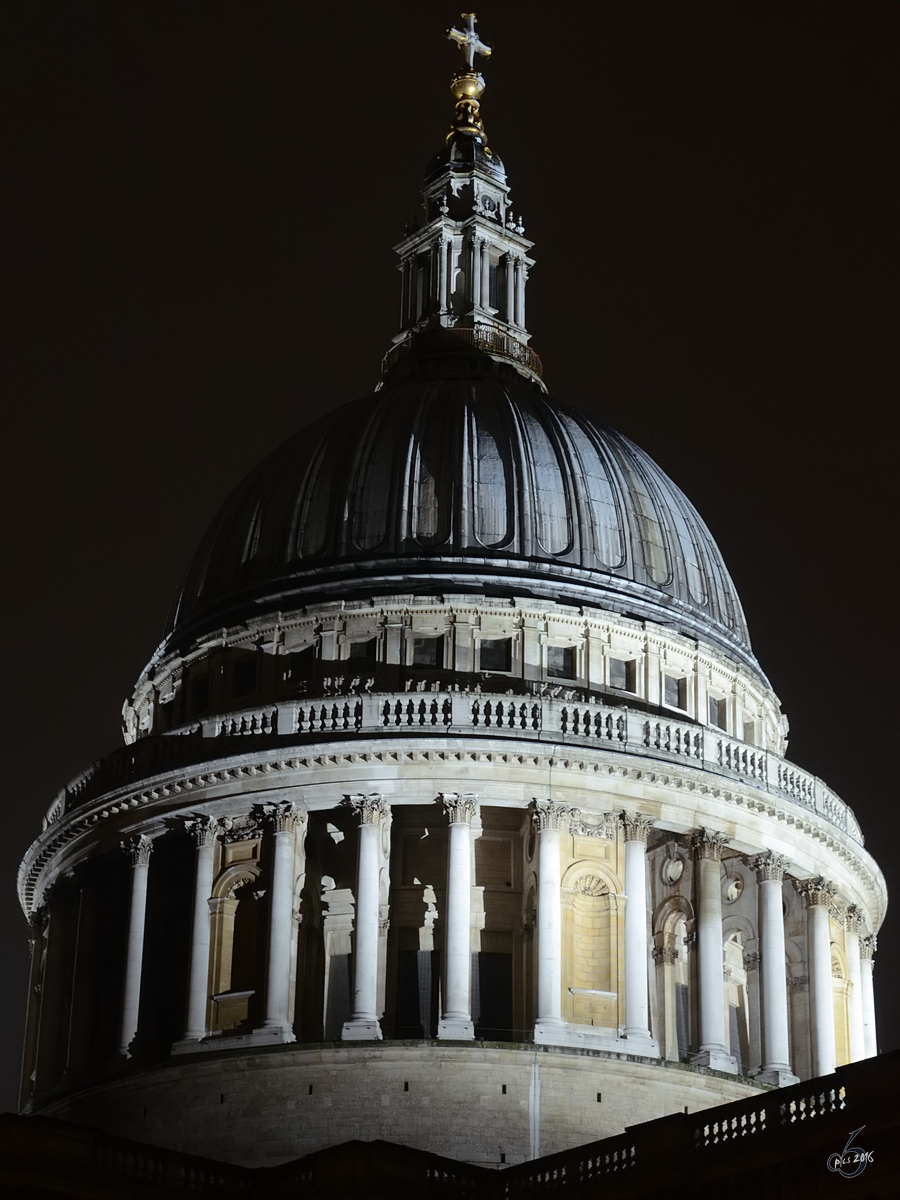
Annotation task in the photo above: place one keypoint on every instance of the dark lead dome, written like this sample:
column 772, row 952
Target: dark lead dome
column 461, row 476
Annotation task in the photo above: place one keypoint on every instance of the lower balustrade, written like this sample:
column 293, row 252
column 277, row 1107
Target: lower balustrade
column 542, row 718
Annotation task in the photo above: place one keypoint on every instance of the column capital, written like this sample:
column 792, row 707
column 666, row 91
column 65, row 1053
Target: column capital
column 769, row 866
column 138, row 849
column 708, row 843
column 282, row 817
column 636, row 826
column 370, row 808
column 867, row 946
column 817, row 890
column 204, row 830
column 665, row 956
column 853, row 919
column 460, row 807
column 547, row 814
column 751, row 962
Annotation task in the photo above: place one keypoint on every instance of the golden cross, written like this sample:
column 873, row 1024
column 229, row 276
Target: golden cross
column 469, row 41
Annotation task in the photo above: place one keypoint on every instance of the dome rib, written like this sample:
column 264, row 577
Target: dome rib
column 469, row 481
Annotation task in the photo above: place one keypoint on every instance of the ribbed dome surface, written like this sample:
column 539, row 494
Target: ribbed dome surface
column 460, row 476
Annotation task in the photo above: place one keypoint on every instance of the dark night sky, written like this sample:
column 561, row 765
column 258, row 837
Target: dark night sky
column 204, row 199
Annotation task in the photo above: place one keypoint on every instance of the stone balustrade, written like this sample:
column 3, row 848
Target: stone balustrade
column 538, row 718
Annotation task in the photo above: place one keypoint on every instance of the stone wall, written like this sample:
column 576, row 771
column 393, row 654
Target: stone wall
column 480, row 1104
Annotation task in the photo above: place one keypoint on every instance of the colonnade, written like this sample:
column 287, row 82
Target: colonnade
column 455, row 1022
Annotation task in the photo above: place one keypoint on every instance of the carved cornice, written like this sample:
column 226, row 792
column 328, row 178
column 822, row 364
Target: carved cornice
column 636, row 826
column 370, row 808
column 460, row 807
column 708, row 843
column 265, row 768
column 867, row 947
column 769, row 866
column 138, row 849
column 547, row 814
column 817, row 890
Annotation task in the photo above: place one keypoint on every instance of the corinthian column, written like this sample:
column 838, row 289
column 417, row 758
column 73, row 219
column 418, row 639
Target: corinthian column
column 819, row 894
column 138, row 850
column 637, row 1019
column 867, row 947
column 285, row 820
column 707, row 846
column 549, row 1020
column 204, row 831
column 363, row 1024
column 776, row 1066
column 456, row 1019
column 852, row 926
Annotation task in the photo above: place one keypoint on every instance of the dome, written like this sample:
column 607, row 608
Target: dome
column 458, row 475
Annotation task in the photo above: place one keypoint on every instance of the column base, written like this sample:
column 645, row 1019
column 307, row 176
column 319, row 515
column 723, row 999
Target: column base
column 361, row 1029
column 592, row 1037
column 280, row 1035
column 716, row 1060
column 777, row 1076
column 277, row 1033
column 456, row 1029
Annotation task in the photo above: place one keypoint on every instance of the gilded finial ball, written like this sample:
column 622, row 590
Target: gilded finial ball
column 467, row 85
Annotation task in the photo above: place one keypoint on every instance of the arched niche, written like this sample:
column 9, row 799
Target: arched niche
column 236, row 941
column 592, row 912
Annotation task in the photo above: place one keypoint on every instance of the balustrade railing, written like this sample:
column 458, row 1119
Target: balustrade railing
column 555, row 719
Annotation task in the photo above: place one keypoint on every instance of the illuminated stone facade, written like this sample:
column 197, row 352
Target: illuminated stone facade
column 453, row 810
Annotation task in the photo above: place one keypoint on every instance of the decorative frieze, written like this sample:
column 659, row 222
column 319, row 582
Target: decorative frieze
column 636, row 826
column 817, row 890
column 604, row 828
column 769, row 866
column 708, row 843
column 460, row 807
column 138, row 849
column 371, row 808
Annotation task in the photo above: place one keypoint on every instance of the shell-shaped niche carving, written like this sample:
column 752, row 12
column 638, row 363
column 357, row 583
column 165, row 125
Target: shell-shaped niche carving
column 591, row 885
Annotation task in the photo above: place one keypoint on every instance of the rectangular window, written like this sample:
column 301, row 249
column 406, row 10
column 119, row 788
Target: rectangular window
column 298, row 667
column 496, row 654
column 200, row 694
column 364, row 652
column 717, row 709
column 244, row 677
column 675, row 692
column 493, row 286
column 561, row 662
column 428, row 651
column 623, row 674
